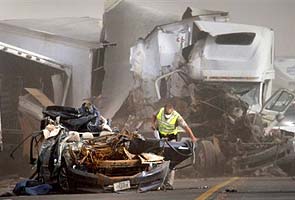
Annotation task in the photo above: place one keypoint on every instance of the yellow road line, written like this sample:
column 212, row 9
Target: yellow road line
column 208, row 193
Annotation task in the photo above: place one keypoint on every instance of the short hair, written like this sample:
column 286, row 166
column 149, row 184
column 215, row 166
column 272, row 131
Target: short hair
column 169, row 106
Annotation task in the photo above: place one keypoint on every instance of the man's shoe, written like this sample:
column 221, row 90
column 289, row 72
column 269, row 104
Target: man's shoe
column 168, row 186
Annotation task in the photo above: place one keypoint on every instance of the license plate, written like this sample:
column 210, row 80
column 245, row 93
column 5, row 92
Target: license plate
column 123, row 185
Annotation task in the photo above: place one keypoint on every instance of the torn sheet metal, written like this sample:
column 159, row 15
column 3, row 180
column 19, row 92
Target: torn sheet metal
column 44, row 61
column 57, row 84
column 40, row 96
column 30, row 110
column 27, row 106
column 34, row 102
column 158, row 54
column 123, row 28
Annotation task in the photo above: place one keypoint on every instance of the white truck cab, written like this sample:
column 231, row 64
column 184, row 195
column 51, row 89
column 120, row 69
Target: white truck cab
column 237, row 55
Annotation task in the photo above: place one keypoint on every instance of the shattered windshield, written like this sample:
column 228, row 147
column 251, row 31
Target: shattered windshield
column 249, row 92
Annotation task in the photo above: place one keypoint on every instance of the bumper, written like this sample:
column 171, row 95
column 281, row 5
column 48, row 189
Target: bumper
column 143, row 181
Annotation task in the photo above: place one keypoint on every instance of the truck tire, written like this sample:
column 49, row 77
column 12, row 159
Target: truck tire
column 206, row 162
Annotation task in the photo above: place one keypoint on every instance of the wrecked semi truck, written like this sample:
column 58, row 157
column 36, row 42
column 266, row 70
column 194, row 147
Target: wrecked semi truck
column 222, row 72
column 237, row 55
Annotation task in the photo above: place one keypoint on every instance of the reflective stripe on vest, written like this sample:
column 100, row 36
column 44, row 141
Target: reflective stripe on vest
column 167, row 126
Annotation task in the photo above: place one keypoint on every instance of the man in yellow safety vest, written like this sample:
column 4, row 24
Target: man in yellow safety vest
column 166, row 121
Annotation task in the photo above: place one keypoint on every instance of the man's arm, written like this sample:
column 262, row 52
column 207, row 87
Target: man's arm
column 188, row 130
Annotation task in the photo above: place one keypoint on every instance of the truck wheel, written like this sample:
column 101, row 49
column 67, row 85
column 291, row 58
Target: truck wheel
column 206, row 159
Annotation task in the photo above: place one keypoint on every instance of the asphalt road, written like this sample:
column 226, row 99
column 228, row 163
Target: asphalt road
column 211, row 188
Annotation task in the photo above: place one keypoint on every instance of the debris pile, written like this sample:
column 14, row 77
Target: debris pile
column 76, row 160
column 233, row 141
column 210, row 110
column 216, row 110
column 109, row 155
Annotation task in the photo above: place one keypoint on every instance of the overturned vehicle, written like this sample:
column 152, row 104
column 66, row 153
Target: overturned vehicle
column 76, row 159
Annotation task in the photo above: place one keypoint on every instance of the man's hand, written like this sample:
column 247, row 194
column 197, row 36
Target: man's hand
column 194, row 139
column 153, row 127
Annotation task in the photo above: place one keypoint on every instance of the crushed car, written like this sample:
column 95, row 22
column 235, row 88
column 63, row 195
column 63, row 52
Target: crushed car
column 75, row 159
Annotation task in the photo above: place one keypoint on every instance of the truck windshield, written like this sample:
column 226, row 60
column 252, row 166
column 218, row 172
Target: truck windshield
column 249, row 92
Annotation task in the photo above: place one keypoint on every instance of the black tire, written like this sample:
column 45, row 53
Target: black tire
column 206, row 162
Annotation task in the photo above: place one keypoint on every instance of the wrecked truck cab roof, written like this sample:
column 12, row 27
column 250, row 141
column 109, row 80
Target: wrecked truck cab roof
column 237, row 51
